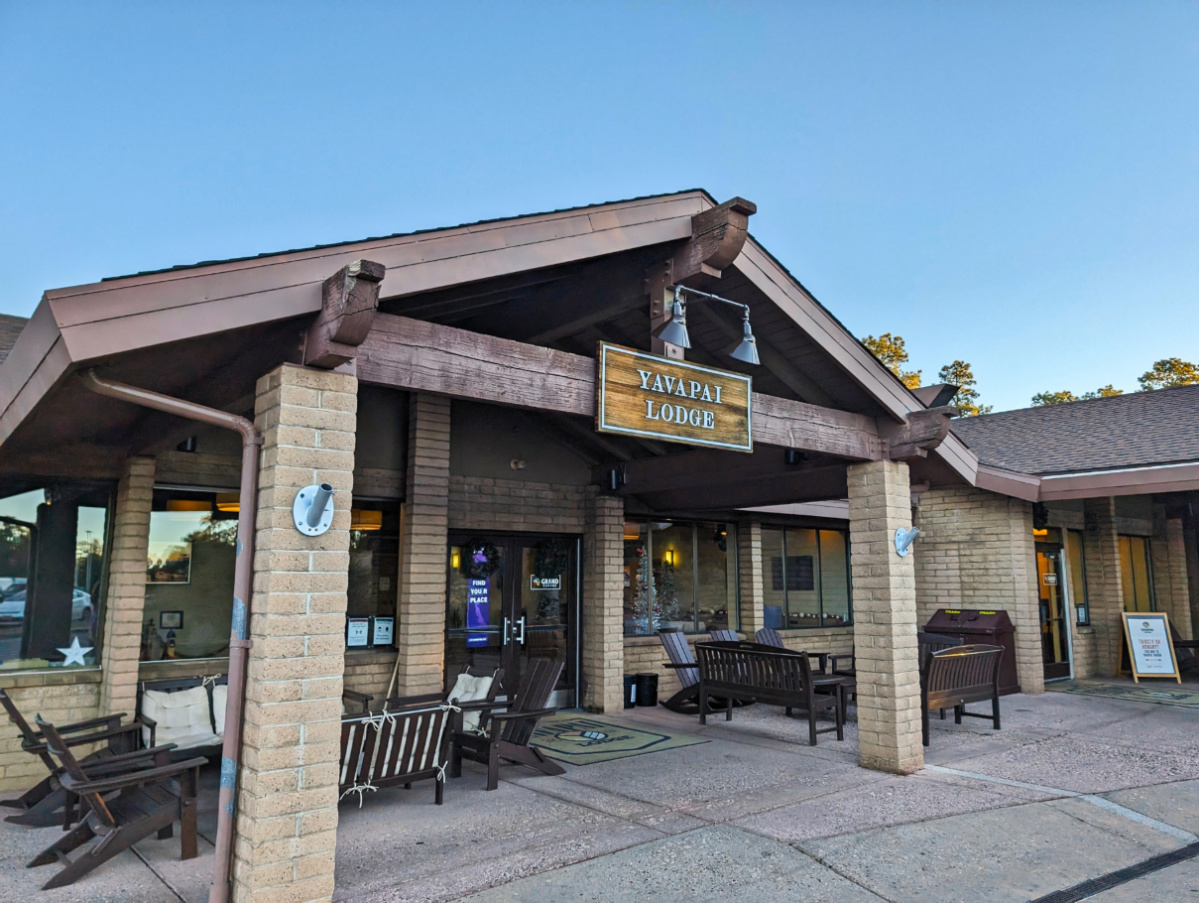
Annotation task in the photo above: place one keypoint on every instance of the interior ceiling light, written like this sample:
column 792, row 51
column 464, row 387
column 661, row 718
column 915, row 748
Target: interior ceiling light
column 674, row 330
column 228, row 502
column 188, row 505
column 363, row 519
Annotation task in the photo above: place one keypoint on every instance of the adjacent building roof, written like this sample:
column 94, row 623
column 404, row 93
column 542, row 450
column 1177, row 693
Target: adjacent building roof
column 1136, row 430
column 10, row 329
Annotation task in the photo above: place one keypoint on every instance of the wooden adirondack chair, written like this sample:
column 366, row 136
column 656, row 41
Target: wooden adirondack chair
column 41, row 804
column 724, row 636
column 124, row 809
column 506, row 735
column 682, row 661
column 768, row 636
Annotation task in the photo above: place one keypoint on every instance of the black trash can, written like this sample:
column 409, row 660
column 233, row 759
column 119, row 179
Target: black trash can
column 647, row 689
column 630, row 691
column 991, row 628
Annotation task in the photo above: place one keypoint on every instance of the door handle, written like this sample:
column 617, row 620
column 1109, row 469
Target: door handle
column 521, row 639
column 507, row 632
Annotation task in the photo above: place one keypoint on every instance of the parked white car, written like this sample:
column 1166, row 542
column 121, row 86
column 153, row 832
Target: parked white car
column 13, row 607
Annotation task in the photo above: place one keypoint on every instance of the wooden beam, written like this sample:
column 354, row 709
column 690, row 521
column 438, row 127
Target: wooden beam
column 773, row 489
column 427, row 357
column 923, row 431
column 717, row 237
column 349, row 300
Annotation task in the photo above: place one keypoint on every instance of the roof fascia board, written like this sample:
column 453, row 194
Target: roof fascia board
column 1007, row 482
column 1125, row 481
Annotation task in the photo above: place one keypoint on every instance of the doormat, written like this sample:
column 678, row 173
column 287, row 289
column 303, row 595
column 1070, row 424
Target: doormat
column 1157, row 692
column 582, row 740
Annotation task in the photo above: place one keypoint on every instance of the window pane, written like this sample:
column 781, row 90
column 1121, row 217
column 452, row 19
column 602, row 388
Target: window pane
column 802, row 578
column 51, row 575
column 374, row 559
column 189, row 575
column 834, row 578
column 774, row 597
column 638, row 580
column 1078, row 581
column 674, row 576
column 716, row 558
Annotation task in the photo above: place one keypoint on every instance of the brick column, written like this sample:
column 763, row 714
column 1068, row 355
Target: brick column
column 126, row 600
column 1105, row 588
column 602, row 666
column 1181, row 616
column 287, row 803
column 884, row 611
column 1025, row 606
column 423, row 534
column 749, row 577
column 1167, row 553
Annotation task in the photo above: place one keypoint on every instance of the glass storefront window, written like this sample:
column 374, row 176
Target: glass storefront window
column 1135, row 573
column 807, row 578
column 1078, row 577
column 52, row 575
column 373, row 586
column 189, row 575
column 681, row 575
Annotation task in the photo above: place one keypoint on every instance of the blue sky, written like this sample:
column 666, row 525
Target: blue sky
column 1015, row 184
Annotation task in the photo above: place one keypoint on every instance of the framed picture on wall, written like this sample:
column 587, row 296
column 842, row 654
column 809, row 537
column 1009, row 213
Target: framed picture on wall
column 170, row 620
column 169, row 562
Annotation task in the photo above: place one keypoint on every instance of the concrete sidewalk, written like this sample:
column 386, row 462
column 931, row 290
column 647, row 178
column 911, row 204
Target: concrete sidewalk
column 1072, row 788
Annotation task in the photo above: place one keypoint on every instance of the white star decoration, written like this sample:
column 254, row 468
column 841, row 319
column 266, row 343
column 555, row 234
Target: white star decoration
column 75, row 653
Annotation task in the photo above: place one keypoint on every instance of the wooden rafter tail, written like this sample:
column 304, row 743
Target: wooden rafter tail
column 717, row 237
column 349, row 301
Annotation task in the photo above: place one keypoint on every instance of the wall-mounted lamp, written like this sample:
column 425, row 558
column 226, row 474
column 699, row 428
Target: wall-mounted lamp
column 456, row 561
column 674, row 330
column 668, row 557
column 904, row 539
column 312, row 510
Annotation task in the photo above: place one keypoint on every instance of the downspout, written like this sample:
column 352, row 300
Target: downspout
column 239, row 642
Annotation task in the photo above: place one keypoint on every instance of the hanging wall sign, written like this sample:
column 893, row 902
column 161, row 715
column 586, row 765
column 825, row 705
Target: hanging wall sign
column 645, row 395
column 1148, row 638
column 478, row 611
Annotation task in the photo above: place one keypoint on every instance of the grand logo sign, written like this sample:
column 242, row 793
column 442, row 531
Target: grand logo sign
column 646, row 395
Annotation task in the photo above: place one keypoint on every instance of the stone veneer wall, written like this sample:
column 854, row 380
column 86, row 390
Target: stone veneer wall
column 976, row 550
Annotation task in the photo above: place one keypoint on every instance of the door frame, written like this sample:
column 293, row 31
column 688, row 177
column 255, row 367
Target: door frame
column 573, row 666
column 1066, row 602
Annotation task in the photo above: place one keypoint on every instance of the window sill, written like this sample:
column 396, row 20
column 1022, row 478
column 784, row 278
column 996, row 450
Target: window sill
column 49, row 677
column 383, row 656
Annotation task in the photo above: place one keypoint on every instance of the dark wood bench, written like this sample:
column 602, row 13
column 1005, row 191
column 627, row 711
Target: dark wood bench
column 408, row 742
column 772, row 675
column 959, row 675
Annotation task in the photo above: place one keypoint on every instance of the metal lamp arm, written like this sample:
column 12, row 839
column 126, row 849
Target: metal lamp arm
column 693, row 291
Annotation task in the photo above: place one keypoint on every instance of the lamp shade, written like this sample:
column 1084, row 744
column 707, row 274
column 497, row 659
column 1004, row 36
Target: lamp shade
column 228, row 501
column 674, row 330
column 745, row 350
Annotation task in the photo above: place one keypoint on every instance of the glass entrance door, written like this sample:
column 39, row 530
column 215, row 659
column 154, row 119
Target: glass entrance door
column 511, row 599
column 1055, row 648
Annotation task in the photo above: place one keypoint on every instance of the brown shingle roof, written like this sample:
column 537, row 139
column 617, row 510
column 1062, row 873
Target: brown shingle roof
column 1134, row 430
column 10, row 328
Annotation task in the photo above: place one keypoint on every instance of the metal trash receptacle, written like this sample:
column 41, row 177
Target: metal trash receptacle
column 630, row 691
column 647, row 689
column 990, row 627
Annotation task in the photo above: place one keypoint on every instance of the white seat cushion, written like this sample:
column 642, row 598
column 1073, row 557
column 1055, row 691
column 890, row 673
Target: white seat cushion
column 220, row 698
column 183, row 717
column 470, row 689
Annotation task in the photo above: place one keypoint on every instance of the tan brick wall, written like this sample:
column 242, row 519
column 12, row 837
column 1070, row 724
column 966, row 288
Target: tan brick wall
column 1180, row 587
column 126, row 586
column 287, row 802
column 884, row 602
column 1168, row 556
column 370, row 673
column 420, row 633
column 977, row 550
column 60, row 699
column 602, row 664
column 750, row 579
column 483, row 503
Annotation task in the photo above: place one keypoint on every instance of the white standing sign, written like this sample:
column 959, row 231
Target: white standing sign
column 1152, row 653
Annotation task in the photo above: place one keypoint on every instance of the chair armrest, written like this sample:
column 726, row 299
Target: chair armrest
column 837, row 659
column 400, row 703
column 676, row 667
column 117, row 764
column 130, row 779
column 110, row 721
column 152, row 725
column 481, row 705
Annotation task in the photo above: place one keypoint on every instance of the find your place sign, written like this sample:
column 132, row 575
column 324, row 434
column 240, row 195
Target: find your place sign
column 645, row 395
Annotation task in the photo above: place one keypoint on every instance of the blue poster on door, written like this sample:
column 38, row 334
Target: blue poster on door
column 478, row 610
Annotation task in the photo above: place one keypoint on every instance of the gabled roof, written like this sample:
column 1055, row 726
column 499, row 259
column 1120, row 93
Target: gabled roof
column 1135, row 430
column 10, row 330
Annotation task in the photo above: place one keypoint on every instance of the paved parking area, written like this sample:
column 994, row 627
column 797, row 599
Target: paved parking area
column 1072, row 788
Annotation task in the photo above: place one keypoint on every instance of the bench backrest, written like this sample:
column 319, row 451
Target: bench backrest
column 970, row 673
column 935, row 642
column 384, row 748
column 679, row 653
column 747, row 664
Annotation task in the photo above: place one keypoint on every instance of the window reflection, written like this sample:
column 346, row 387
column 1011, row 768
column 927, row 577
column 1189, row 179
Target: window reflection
column 679, row 575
